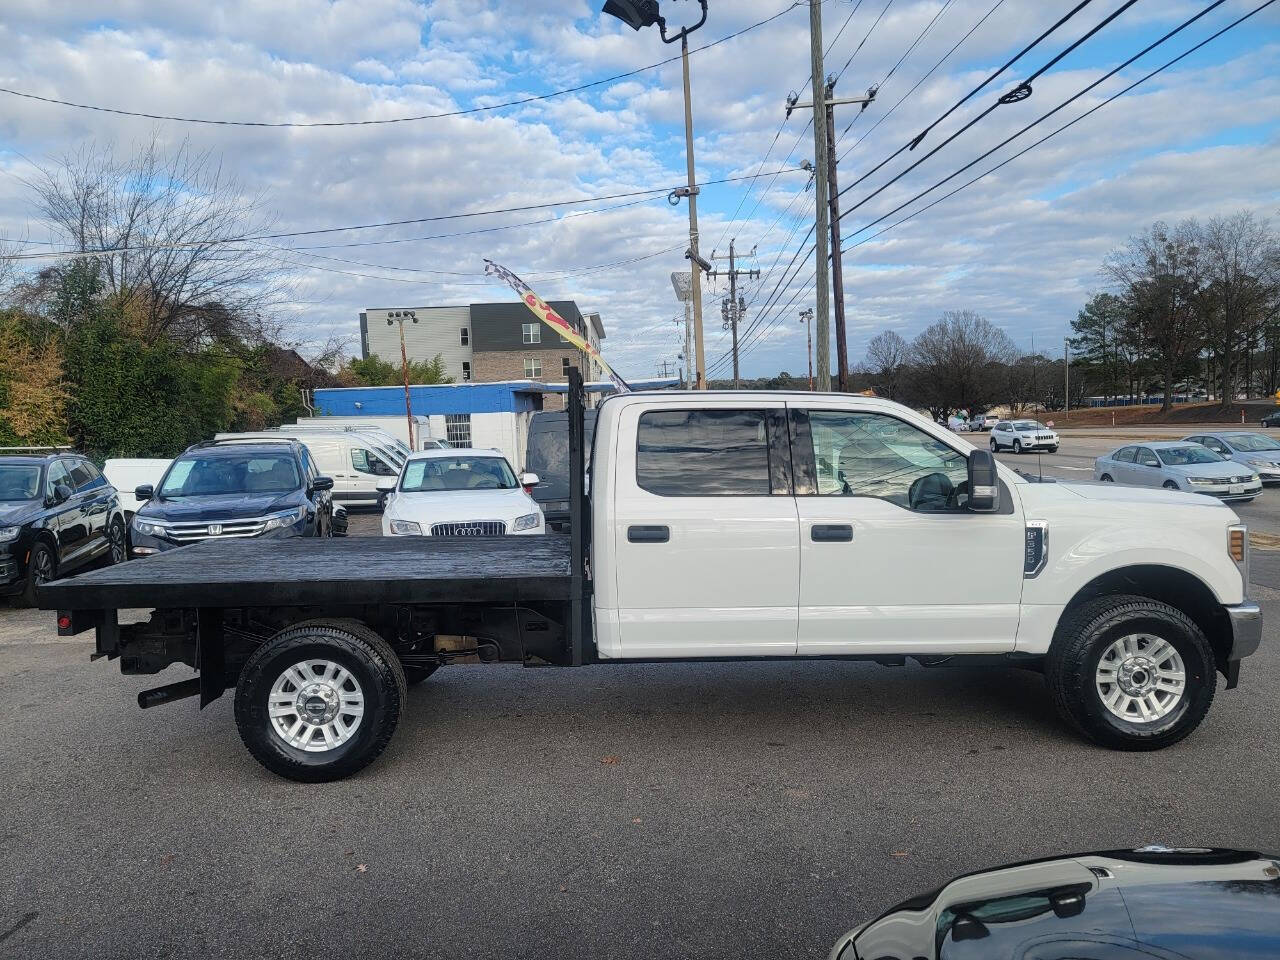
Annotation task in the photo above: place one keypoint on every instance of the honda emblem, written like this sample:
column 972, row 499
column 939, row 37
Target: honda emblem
column 215, row 529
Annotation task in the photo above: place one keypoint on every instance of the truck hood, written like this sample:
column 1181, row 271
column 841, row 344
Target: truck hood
column 1114, row 493
column 221, row 507
column 460, row 506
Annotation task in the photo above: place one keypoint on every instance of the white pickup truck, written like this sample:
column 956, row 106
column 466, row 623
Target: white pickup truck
column 719, row 526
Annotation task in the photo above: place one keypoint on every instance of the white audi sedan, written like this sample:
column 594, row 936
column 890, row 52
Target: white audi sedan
column 459, row 493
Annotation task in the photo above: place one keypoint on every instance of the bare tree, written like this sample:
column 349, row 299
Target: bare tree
column 887, row 357
column 172, row 224
column 1161, row 273
column 958, row 363
column 1237, row 251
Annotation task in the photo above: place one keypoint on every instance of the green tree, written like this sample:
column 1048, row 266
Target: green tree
column 375, row 372
column 1098, row 328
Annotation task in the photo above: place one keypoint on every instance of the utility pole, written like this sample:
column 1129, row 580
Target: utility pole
column 820, row 134
column 399, row 316
column 1066, row 377
column 664, row 369
column 682, row 283
column 734, row 307
column 806, row 317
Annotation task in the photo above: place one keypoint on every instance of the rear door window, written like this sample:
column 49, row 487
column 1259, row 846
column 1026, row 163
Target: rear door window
column 85, row 475
column 703, row 453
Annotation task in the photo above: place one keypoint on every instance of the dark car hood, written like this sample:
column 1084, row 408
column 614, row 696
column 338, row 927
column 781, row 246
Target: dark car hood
column 17, row 512
column 222, row 507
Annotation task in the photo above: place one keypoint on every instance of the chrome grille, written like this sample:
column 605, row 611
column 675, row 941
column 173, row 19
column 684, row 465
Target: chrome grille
column 472, row 528
column 215, row 529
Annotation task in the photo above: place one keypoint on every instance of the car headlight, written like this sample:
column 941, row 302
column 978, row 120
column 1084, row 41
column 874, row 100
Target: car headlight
column 149, row 529
column 1260, row 463
column 527, row 522
column 406, row 528
column 1206, row 481
column 9, row 533
column 287, row 519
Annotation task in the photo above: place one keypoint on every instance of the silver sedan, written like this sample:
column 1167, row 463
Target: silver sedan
column 1178, row 465
column 1256, row 451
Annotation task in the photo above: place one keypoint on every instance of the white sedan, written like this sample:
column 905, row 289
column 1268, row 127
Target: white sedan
column 459, row 493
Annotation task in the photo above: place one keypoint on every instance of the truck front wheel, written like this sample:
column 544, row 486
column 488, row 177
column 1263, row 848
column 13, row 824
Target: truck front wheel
column 320, row 700
column 1131, row 673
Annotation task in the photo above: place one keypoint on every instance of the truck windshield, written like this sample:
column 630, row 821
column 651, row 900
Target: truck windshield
column 206, row 476
column 1252, row 442
column 1181, row 456
column 19, row 481
column 457, row 473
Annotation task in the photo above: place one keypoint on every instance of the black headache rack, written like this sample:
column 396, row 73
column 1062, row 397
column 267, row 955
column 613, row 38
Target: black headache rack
column 523, row 599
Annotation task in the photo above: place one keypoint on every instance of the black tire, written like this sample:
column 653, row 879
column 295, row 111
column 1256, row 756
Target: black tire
column 42, row 566
column 353, row 646
column 1017, row 446
column 117, row 542
column 1079, row 644
column 1106, row 478
column 1053, row 449
column 1169, row 485
column 995, row 447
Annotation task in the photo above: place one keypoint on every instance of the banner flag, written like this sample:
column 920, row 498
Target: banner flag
column 542, row 310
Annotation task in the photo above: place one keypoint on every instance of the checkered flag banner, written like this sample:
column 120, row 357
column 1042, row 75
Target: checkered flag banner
column 542, row 310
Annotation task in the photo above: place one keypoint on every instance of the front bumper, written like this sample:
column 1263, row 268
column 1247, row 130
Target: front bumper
column 1246, row 628
column 1223, row 492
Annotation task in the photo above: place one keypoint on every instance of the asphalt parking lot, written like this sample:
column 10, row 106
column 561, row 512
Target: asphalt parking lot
column 682, row 810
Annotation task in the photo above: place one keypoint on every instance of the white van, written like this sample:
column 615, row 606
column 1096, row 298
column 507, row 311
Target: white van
column 383, row 437
column 126, row 474
column 355, row 461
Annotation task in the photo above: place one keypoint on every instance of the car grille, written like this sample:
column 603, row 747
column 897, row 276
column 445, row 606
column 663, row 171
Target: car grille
column 472, row 528
column 1044, row 436
column 194, row 532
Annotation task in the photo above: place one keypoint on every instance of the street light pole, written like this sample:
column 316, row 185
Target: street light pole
column 1066, row 377
column 806, row 317
column 398, row 316
column 644, row 13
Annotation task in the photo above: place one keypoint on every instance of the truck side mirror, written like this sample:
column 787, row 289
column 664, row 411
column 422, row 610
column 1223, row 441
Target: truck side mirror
column 984, row 483
column 144, row 492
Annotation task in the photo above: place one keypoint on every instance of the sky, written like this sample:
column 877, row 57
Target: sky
column 1022, row 246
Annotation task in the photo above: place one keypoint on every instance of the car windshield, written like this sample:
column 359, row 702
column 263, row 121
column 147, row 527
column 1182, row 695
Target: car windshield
column 1252, row 442
column 457, row 473
column 221, row 474
column 1181, row 456
column 19, row 481
column 1029, row 425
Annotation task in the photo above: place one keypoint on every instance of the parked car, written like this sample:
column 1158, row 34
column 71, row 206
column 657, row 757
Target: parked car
column 234, row 489
column 1151, row 903
column 1271, row 419
column 57, row 514
column 1178, row 465
column 461, row 492
column 548, row 457
column 127, row 474
column 353, row 459
column 1023, row 435
column 983, row 422
column 1255, row 450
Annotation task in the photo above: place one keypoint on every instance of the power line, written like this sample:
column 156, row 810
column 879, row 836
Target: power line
column 1019, row 93
column 1027, row 149
column 651, row 193
column 1106, row 76
column 864, row 40
column 914, row 88
column 413, row 119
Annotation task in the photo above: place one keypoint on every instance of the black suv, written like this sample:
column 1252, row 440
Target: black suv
column 234, row 488
column 547, row 455
column 57, row 513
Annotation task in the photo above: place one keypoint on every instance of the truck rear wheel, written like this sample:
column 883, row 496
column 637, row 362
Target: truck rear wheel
column 320, row 700
column 1131, row 673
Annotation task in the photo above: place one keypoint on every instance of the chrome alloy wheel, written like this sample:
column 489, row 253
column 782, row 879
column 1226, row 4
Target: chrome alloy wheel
column 315, row 705
column 1141, row 678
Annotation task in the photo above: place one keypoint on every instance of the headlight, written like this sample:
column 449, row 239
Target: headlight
column 527, row 522
column 1260, row 463
column 288, row 519
column 149, row 529
column 9, row 533
column 405, row 528
column 1206, row 481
